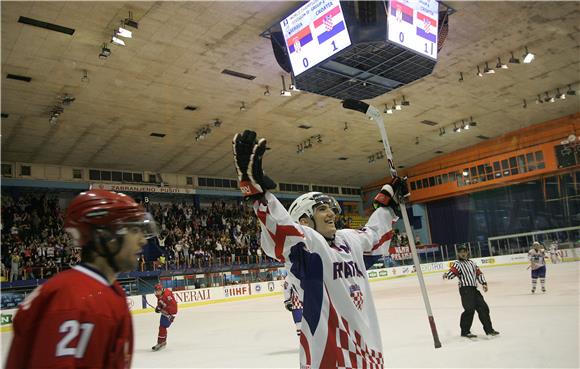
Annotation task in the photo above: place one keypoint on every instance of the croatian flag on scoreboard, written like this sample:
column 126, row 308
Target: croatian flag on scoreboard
column 401, row 12
column 299, row 39
column 327, row 20
column 429, row 28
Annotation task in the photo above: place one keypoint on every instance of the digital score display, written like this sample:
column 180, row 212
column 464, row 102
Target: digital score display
column 414, row 24
column 313, row 33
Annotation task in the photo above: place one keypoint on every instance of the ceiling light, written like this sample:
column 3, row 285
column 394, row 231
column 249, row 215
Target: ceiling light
column 539, row 100
column 105, row 52
column 460, row 77
column 396, row 106
column 117, row 41
column 513, row 60
column 123, row 32
column 465, row 125
column 130, row 21
column 472, row 122
column 284, row 92
column 405, row 102
column 479, row 74
column 267, row 92
column 561, row 96
column 389, row 110
column 456, row 129
column 548, row 98
column 441, row 131
column 217, row 123
column 85, row 76
column 345, row 126
column 465, row 172
column 525, row 104
column 488, row 70
column 416, row 140
column 501, row 65
column 243, row 107
column 528, row 56
column 570, row 91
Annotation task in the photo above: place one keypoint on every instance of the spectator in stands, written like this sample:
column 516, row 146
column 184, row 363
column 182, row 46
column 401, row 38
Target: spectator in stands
column 15, row 266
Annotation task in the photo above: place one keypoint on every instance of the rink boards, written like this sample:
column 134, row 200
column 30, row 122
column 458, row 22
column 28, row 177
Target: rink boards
column 187, row 298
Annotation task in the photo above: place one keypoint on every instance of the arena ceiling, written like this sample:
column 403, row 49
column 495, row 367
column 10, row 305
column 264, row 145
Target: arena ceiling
column 176, row 57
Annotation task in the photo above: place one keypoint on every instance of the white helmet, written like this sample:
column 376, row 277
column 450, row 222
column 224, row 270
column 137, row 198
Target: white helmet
column 536, row 243
column 305, row 205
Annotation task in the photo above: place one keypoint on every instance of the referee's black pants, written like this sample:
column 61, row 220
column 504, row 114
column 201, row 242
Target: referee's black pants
column 473, row 301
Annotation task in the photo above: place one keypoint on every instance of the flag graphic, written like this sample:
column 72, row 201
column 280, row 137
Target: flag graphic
column 299, row 39
column 330, row 28
column 402, row 12
column 429, row 29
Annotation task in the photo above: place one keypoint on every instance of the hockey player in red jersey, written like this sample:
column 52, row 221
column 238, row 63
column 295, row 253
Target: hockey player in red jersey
column 340, row 327
column 79, row 318
column 167, row 307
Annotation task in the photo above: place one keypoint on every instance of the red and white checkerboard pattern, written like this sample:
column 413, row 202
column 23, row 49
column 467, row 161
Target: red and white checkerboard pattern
column 296, row 303
column 328, row 23
column 354, row 352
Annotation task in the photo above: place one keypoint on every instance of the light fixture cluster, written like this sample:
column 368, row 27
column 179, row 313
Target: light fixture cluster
column 205, row 131
column 488, row 68
column 308, row 144
column 552, row 96
column 376, row 156
column 120, row 35
column 396, row 105
column 58, row 108
column 462, row 126
column 571, row 144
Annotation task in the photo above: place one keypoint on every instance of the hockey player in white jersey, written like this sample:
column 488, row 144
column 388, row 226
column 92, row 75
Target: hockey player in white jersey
column 555, row 256
column 293, row 299
column 339, row 328
column 537, row 255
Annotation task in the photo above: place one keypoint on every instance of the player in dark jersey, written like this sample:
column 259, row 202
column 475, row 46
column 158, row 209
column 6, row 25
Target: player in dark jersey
column 79, row 318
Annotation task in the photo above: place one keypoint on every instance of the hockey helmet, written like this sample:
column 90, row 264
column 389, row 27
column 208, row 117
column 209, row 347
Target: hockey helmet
column 462, row 248
column 306, row 203
column 103, row 209
column 158, row 288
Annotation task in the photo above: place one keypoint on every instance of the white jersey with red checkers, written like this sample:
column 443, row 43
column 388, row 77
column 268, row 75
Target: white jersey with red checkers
column 340, row 328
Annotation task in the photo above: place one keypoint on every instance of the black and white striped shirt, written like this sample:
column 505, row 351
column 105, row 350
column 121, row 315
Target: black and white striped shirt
column 467, row 272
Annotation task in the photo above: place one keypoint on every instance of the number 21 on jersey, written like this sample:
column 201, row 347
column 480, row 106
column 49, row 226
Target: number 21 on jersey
column 72, row 329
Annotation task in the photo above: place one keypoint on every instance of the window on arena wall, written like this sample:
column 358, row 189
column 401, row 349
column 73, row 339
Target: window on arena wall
column 77, row 173
column 25, row 170
column 7, row 170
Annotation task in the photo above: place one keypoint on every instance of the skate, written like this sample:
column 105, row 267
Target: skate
column 159, row 346
column 492, row 333
column 544, row 289
column 533, row 290
column 469, row 335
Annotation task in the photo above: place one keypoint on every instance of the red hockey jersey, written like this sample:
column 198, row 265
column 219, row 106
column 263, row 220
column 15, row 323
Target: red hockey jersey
column 166, row 302
column 75, row 320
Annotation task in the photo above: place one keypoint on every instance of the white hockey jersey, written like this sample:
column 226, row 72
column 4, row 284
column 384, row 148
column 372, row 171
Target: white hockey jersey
column 537, row 258
column 292, row 291
column 339, row 327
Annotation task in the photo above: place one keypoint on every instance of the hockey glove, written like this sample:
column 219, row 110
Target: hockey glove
column 392, row 194
column 288, row 305
column 248, row 153
column 158, row 309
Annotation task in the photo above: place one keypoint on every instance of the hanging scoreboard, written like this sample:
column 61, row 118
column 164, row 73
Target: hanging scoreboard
column 313, row 33
column 414, row 24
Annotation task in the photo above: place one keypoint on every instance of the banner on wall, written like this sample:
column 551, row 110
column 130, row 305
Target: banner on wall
column 140, row 188
column 400, row 252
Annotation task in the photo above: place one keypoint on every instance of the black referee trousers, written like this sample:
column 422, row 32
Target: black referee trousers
column 473, row 301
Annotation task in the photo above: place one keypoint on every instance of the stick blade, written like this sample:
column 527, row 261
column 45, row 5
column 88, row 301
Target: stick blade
column 355, row 105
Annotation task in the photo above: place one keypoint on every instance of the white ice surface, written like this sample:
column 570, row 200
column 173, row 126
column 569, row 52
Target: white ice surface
column 537, row 331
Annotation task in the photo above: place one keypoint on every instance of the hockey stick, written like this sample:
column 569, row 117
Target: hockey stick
column 374, row 114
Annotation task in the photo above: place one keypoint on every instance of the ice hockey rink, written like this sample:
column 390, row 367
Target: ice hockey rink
column 537, row 331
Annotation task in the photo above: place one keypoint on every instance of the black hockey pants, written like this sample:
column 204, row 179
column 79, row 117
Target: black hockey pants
column 473, row 301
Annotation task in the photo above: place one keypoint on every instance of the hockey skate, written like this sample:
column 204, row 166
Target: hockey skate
column 469, row 335
column 533, row 290
column 492, row 333
column 543, row 289
column 159, row 346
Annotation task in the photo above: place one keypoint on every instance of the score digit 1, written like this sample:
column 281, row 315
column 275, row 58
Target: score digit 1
column 334, row 48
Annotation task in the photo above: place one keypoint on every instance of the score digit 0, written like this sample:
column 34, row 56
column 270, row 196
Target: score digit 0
column 401, row 37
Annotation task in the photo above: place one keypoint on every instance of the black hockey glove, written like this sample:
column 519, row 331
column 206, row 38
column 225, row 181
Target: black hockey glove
column 392, row 194
column 158, row 309
column 248, row 153
column 288, row 305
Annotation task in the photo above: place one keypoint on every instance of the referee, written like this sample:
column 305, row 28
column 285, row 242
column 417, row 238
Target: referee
column 469, row 274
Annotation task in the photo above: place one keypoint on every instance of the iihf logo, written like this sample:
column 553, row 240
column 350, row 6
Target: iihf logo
column 357, row 296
